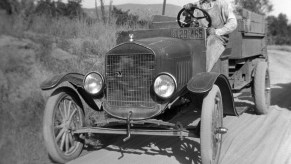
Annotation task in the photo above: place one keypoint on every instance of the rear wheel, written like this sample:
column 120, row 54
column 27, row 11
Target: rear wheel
column 62, row 115
column 211, row 122
column 262, row 89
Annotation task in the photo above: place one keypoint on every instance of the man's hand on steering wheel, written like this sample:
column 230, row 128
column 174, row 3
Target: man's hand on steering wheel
column 188, row 12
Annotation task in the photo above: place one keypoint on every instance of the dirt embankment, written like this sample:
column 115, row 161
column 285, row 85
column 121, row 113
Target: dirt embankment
column 21, row 102
column 23, row 66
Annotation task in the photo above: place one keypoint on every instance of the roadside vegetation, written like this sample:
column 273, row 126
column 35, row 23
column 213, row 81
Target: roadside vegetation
column 37, row 41
column 286, row 48
column 279, row 30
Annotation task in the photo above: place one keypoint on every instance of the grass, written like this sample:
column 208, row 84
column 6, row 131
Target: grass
column 26, row 60
column 22, row 103
column 20, row 127
column 286, row 48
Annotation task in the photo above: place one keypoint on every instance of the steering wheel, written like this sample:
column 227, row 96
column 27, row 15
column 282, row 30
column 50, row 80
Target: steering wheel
column 191, row 19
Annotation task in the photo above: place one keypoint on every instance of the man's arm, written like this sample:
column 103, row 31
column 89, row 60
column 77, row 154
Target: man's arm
column 229, row 18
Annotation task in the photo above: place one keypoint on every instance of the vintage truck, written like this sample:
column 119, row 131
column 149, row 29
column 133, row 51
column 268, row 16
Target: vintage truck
column 149, row 74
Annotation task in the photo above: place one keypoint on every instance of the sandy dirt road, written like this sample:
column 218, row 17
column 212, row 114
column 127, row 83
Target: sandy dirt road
column 250, row 139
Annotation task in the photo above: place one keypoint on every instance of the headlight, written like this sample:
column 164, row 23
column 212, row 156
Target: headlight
column 165, row 85
column 93, row 83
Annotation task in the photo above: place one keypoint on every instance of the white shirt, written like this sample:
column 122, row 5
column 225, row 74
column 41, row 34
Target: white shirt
column 227, row 15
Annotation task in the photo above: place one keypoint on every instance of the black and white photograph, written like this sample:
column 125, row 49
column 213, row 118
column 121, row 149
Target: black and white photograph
column 141, row 82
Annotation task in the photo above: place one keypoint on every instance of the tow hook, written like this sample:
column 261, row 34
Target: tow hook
column 128, row 127
column 221, row 130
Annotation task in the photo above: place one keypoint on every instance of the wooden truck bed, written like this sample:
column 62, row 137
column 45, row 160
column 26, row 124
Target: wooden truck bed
column 250, row 37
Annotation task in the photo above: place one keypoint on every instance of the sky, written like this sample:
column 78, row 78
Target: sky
column 280, row 6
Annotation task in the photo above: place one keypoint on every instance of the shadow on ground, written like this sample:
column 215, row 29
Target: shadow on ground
column 281, row 95
column 244, row 103
column 186, row 151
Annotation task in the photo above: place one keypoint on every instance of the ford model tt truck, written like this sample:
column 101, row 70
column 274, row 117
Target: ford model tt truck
column 149, row 74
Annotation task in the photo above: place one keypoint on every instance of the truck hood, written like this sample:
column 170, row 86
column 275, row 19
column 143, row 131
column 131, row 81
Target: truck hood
column 164, row 47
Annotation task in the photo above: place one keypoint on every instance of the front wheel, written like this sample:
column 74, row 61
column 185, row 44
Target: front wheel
column 211, row 124
column 62, row 115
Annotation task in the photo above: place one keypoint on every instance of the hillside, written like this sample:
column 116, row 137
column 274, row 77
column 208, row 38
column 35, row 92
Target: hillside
column 143, row 10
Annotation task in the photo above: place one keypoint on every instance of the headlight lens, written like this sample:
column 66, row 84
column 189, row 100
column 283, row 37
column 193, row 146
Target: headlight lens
column 164, row 86
column 93, row 83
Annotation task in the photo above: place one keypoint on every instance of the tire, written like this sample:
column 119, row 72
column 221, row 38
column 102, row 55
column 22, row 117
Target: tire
column 261, row 88
column 211, row 119
column 58, row 123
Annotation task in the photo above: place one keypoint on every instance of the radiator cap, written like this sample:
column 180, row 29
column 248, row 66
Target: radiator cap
column 131, row 37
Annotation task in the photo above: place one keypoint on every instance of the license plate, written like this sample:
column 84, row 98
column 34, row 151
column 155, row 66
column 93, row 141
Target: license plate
column 188, row 33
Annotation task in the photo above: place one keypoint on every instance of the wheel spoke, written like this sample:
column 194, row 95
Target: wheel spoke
column 65, row 108
column 63, row 141
column 72, row 114
column 71, row 148
column 67, row 142
column 59, row 126
column 62, row 113
column 69, row 110
column 60, row 135
column 71, row 139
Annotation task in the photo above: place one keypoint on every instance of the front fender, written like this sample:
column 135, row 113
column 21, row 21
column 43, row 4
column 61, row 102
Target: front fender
column 74, row 78
column 202, row 83
column 76, row 81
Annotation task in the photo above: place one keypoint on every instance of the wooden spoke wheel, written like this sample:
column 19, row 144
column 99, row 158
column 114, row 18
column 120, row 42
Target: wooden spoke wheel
column 63, row 114
column 211, row 124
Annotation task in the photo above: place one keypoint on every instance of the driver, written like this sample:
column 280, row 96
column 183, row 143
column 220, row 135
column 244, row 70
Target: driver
column 223, row 23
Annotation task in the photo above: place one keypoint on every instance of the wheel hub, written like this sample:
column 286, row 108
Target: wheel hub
column 67, row 126
column 221, row 130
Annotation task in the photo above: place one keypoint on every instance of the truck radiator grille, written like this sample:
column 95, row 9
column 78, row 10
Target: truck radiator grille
column 128, row 80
